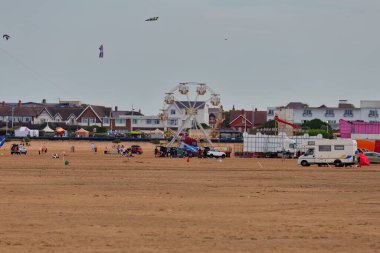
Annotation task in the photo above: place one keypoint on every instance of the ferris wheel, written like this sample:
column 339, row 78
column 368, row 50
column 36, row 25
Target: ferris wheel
column 189, row 98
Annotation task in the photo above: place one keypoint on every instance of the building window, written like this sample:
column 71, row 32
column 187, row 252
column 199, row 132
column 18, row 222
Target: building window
column 172, row 112
column 156, row 121
column 84, row 120
column 307, row 113
column 134, row 121
column 148, row 121
column 92, row 120
column 172, row 122
column 348, row 113
column 44, row 120
column 120, row 121
column 324, row 148
column 373, row 114
column 106, row 120
column 329, row 113
column 339, row 147
column 71, row 121
column 27, row 119
column 270, row 112
column 331, row 122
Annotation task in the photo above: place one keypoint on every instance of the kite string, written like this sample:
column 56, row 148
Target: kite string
column 27, row 67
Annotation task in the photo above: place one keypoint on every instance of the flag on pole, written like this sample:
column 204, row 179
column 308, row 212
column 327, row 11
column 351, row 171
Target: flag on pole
column 101, row 51
column 2, row 141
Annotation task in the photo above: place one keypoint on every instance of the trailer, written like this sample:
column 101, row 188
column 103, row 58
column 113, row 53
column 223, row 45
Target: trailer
column 340, row 152
column 261, row 145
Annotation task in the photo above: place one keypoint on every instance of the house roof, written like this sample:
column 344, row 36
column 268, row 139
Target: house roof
column 19, row 111
column 102, row 111
column 257, row 117
column 244, row 119
column 260, row 117
column 196, row 104
column 65, row 112
column 234, row 115
column 296, row 105
column 346, row 106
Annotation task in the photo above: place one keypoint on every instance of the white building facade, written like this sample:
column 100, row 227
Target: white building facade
column 368, row 112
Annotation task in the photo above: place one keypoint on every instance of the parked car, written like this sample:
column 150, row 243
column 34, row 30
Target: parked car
column 216, row 153
column 136, row 149
column 373, row 157
column 17, row 149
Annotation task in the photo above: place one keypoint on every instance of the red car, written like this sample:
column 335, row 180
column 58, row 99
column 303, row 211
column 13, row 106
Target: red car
column 136, row 149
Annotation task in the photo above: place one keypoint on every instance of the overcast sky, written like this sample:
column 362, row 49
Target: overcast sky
column 276, row 51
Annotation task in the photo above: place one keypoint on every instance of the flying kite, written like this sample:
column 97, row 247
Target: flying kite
column 152, row 19
column 101, row 51
column 6, row 36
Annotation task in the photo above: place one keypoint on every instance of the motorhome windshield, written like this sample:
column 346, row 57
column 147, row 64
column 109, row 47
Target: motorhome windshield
column 310, row 152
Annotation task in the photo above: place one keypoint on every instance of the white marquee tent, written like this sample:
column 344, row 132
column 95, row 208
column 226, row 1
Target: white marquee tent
column 47, row 129
column 26, row 132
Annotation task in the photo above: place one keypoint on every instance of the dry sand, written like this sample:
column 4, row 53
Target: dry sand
column 105, row 203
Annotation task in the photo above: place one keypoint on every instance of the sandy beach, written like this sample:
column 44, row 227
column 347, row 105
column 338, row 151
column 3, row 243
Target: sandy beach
column 108, row 203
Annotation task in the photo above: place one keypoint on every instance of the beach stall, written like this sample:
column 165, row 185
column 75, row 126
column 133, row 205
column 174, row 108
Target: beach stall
column 60, row 132
column 82, row 133
column 47, row 129
column 22, row 132
column 157, row 134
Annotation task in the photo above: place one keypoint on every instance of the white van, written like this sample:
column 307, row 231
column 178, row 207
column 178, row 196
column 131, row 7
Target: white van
column 322, row 152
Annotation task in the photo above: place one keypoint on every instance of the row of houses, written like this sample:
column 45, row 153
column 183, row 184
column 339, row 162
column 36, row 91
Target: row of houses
column 75, row 113
column 70, row 113
column 298, row 112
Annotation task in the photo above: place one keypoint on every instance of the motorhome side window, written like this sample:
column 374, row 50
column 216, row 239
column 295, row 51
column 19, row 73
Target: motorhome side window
column 325, row 148
column 311, row 143
column 339, row 147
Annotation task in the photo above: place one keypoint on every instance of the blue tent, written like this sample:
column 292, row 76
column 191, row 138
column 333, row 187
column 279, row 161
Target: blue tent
column 2, row 141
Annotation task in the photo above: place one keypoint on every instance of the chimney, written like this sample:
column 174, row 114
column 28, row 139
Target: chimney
column 233, row 107
column 3, row 104
column 19, row 104
column 255, row 109
column 116, row 108
column 140, row 111
column 44, row 101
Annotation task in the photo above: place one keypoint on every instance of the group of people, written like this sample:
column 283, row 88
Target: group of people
column 174, row 152
column 42, row 150
column 123, row 151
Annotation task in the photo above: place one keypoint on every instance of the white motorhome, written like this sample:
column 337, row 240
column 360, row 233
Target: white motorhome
column 339, row 152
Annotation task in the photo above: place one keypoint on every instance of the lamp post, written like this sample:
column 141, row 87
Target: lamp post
column 132, row 118
column 13, row 109
column 327, row 127
column 6, row 126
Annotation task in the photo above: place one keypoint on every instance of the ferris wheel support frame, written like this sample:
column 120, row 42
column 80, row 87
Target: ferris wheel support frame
column 183, row 88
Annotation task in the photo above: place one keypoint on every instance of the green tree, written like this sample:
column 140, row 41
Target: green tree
column 314, row 132
column 316, row 124
column 268, row 124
